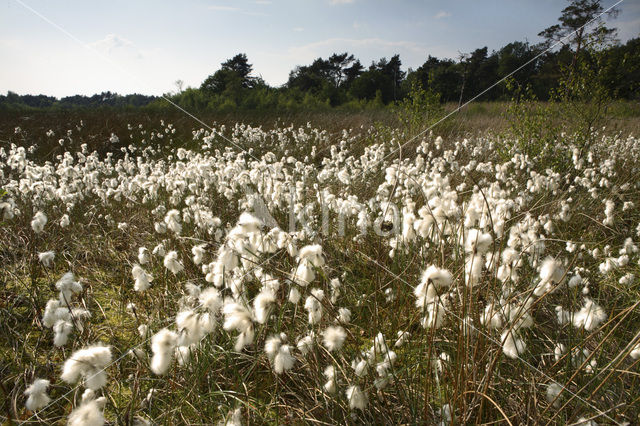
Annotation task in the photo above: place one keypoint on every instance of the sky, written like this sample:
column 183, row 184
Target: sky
column 66, row 47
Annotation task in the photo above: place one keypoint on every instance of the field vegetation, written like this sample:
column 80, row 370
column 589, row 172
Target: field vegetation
column 423, row 262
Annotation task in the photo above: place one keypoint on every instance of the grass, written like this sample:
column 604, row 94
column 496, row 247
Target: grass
column 456, row 365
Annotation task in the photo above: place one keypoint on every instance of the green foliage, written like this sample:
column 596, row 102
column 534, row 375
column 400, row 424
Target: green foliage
column 419, row 110
column 532, row 124
column 584, row 96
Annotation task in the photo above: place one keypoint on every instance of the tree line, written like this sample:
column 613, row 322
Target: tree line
column 341, row 80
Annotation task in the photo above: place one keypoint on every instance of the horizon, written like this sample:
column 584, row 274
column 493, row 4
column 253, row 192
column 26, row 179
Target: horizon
column 62, row 50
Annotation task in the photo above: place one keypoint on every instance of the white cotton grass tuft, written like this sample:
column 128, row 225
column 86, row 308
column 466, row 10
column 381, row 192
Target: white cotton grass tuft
column 344, row 315
column 313, row 306
column 89, row 412
column 172, row 221
column 589, row 317
column 61, row 331
column 403, row 337
column 477, row 242
column 279, row 353
column 163, row 344
column 171, row 262
column 68, row 286
column 142, row 278
column 61, row 318
column 440, row 278
column 198, row 253
column 210, row 299
column 357, row 399
column 331, row 386
column 306, row 344
column 88, row 363
column 143, row 256
column 233, row 418
column 263, row 304
column 473, row 269
column 238, row 317
column 309, row 258
column 333, row 338
column 36, row 393
column 553, row 391
column 64, row 221
column 425, row 294
column 190, row 330
column 294, row 295
column 551, row 274
column 46, row 258
column 38, row 222
column 512, row 345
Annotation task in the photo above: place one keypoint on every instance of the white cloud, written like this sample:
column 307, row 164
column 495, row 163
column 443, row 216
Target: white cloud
column 298, row 29
column 342, row 1
column 110, row 43
column 442, row 14
column 263, row 2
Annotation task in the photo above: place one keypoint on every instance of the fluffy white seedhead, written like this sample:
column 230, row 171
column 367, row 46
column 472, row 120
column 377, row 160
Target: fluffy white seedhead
column 306, row 343
column 61, row 331
column 172, row 221
column 333, row 338
column 263, row 304
column 64, row 221
column 331, row 386
column 357, row 399
column 551, row 273
column 198, row 253
column 189, row 328
column 512, row 345
column 89, row 413
column 441, row 278
column 68, row 286
column 37, row 395
column 283, row 360
column 249, row 223
column 38, row 222
column 426, row 294
column 635, row 352
column 403, row 337
column 344, row 315
column 142, row 278
column 89, row 363
column 210, row 299
column 163, row 344
column 294, row 295
column 477, row 242
column 183, row 355
column 52, row 313
column 171, row 262
column 46, row 258
column 303, row 274
column 313, row 306
column 313, row 254
column 143, row 255
column 234, row 418
column 473, row 269
column 553, row 391
column 238, row 317
column 590, row 316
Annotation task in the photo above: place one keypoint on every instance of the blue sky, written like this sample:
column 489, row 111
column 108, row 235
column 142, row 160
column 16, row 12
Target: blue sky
column 70, row 47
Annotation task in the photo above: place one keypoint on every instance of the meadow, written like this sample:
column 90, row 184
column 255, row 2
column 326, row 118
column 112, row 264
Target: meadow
column 336, row 268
